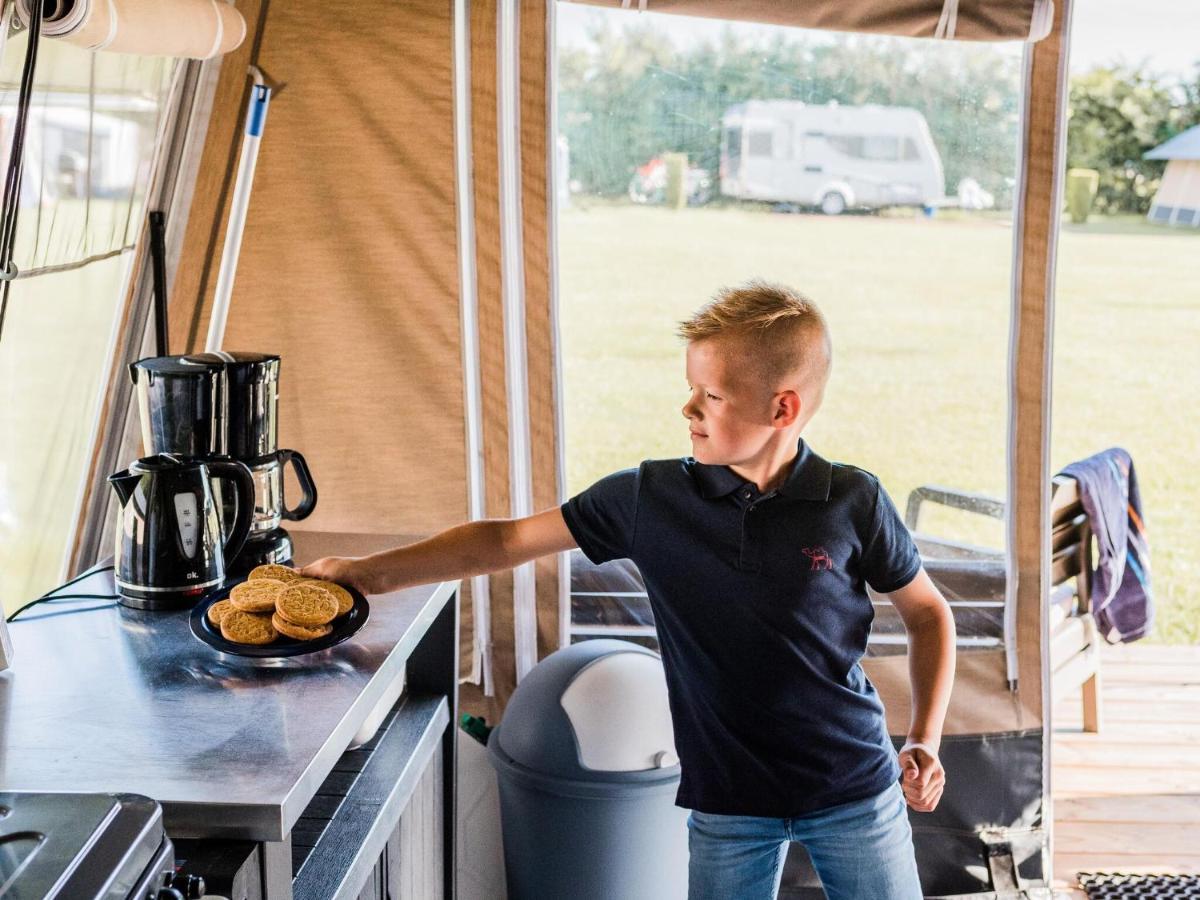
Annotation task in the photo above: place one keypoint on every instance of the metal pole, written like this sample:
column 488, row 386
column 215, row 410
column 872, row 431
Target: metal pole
column 256, row 117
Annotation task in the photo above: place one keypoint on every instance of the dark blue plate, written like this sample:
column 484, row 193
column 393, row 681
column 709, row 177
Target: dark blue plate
column 343, row 627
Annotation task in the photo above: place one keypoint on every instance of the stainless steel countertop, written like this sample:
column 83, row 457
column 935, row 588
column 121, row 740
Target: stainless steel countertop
column 106, row 698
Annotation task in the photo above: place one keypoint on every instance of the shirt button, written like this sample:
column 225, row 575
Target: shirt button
column 746, row 494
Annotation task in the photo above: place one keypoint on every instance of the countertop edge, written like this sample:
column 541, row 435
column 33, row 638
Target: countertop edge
column 269, row 822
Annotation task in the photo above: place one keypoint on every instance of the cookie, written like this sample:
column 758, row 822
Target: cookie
column 256, row 596
column 217, row 611
column 299, row 632
column 306, row 603
column 247, row 628
column 285, row 574
column 343, row 597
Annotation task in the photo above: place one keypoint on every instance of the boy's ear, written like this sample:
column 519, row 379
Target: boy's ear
column 787, row 408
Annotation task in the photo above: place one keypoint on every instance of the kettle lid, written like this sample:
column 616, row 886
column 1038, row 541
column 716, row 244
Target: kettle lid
column 161, row 462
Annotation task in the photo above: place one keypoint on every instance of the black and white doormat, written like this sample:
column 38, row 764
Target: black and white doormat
column 1129, row 886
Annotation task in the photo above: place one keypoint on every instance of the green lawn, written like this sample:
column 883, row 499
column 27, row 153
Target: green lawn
column 920, row 316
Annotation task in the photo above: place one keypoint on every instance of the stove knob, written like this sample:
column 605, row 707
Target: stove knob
column 168, row 893
column 192, row 887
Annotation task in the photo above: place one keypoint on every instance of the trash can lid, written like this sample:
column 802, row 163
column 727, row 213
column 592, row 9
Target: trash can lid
column 592, row 711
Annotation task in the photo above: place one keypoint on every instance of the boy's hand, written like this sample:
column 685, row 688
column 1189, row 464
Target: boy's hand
column 922, row 777
column 342, row 569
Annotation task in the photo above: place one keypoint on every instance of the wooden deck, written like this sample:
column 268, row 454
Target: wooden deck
column 1128, row 798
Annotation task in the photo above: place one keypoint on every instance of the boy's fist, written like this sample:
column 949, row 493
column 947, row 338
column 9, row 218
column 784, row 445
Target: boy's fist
column 341, row 569
column 922, row 777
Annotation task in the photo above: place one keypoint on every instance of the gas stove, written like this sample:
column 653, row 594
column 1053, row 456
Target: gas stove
column 84, row 846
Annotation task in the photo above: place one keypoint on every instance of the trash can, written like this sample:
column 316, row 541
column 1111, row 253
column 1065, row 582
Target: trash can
column 587, row 771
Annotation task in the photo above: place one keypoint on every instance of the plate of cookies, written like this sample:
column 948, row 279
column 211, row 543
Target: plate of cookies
column 275, row 611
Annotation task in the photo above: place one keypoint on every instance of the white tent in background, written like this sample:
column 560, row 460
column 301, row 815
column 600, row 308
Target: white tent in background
column 1178, row 199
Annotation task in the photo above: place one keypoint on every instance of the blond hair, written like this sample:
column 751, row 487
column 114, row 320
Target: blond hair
column 777, row 331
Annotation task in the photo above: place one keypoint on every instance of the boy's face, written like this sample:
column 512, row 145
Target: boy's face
column 731, row 414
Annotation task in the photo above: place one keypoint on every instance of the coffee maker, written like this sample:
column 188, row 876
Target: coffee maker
column 225, row 406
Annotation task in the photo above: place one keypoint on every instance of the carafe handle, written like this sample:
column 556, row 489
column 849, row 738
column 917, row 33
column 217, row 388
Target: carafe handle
column 309, row 501
column 243, row 483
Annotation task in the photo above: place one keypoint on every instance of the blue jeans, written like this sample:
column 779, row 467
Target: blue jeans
column 861, row 850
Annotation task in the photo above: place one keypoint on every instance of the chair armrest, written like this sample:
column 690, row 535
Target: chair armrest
column 964, row 500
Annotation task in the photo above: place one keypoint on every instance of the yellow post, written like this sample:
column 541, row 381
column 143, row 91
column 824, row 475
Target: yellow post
column 1082, row 185
column 677, row 164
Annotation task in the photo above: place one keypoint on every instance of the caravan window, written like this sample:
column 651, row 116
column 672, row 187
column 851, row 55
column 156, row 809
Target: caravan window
column 880, row 147
column 760, row 144
column 846, row 144
column 733, row 145
column 884, row 148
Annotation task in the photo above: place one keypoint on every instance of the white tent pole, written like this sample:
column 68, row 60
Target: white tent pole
column 481, row 662
column 256, row 118
column 513, row 298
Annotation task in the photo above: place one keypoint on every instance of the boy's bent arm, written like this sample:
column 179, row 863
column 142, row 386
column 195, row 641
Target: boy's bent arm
column 474, row 548
column 930, row 626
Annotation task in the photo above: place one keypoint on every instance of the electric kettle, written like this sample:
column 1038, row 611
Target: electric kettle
column 169, row 547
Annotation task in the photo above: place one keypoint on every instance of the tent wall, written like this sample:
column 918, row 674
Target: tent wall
column 497, row 220
column 349, row 270
column 348, row 265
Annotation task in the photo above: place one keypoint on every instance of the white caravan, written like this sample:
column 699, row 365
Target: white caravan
column 832, row 157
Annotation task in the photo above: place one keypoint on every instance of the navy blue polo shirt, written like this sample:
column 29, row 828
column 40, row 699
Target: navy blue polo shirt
column 761, row 606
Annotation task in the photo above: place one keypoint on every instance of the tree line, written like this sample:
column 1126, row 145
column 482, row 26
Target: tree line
column 631, row 95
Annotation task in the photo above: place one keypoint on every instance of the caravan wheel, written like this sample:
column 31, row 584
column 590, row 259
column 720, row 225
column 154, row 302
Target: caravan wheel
column 833, row 204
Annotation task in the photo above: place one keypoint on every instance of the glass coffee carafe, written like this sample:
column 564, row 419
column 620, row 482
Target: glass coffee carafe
column 226, row 405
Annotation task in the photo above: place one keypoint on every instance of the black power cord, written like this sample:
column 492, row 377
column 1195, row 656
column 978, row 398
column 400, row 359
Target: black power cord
column 54, row 595
column 16, row 161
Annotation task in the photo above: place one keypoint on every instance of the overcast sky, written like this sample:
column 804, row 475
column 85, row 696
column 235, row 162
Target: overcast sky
column 1160, row 34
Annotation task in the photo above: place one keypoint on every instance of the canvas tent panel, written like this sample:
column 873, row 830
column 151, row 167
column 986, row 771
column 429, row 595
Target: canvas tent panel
column 1180, row 186
column 489, row 300
column 974, row 20
column 348, row 266
column 980, row 703
column 536, row 57
column 1039, row 194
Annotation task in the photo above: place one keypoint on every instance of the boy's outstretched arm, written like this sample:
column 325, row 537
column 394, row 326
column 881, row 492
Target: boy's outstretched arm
column 474, row 548
column 930, row 626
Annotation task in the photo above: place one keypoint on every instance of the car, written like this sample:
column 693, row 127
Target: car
column 649, row 183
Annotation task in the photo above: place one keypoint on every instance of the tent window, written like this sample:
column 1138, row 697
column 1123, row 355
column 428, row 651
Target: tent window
column 93, row 129
column 919, row 309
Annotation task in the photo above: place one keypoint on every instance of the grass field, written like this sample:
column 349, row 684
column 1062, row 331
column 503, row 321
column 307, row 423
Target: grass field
column 919, row 311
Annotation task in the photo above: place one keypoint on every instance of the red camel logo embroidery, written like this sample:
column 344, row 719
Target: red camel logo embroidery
column 820, row 558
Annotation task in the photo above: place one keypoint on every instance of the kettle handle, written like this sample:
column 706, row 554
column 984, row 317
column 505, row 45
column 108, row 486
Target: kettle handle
column 239, row 474
column 309, row 501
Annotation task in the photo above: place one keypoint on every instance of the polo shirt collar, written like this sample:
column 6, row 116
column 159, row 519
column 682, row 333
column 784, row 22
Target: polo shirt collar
column 809, row 479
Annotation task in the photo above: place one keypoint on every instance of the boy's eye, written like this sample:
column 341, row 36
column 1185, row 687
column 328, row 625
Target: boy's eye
column 711, row 396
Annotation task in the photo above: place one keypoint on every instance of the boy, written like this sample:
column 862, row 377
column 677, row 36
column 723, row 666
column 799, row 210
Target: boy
column 755, row 552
